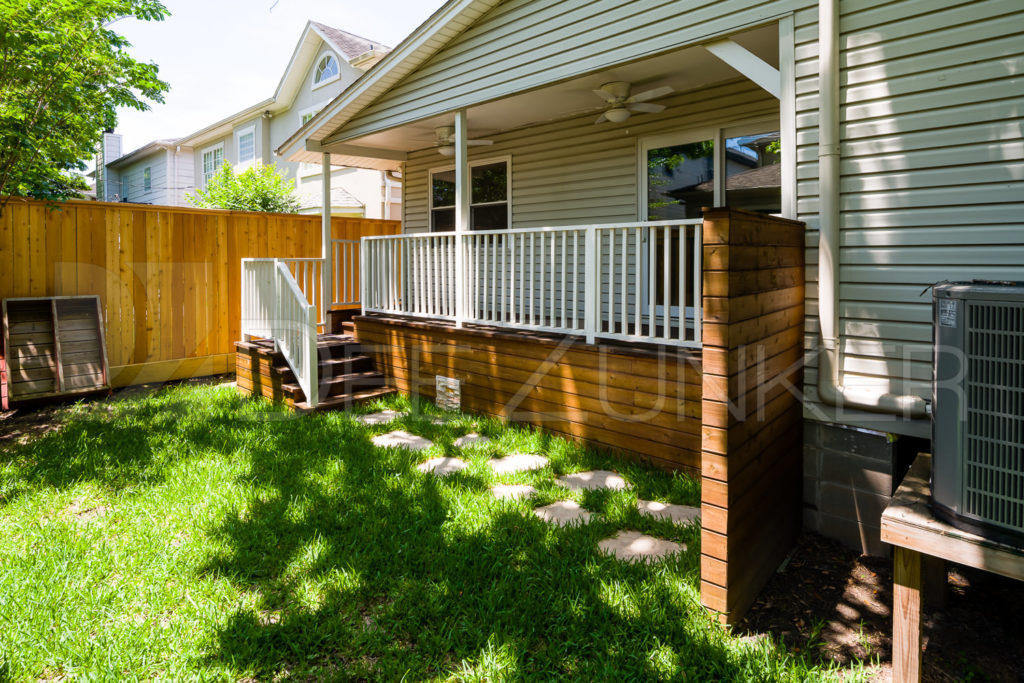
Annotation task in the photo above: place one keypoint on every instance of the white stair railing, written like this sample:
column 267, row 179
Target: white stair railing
column 275, row 307
column 626, row 281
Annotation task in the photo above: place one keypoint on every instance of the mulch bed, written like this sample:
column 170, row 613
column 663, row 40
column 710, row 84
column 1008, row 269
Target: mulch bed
column 831, row 603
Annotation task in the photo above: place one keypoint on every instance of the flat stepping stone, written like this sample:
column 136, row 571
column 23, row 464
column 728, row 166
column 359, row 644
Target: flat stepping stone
column 594, row 479
column 563, row 513
column 383, row 417
column 633, row 546
column 401, row 439
column 442, row 467
column 512, row 491
column 678, row 514
column 471, row 439
column 517, row 462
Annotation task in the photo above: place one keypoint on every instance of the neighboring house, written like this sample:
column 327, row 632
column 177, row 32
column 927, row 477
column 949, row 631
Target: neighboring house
column 900, row 147
column 325, row 62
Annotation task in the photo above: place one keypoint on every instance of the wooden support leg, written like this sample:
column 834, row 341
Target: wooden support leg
column 933, row 571
column 906, row 618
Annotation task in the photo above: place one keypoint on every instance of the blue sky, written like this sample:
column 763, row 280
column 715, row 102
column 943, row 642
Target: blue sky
column 221, row 56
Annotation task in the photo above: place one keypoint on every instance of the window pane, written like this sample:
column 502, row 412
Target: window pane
column 753, row 173
column 246, row 147
column 328, row 68
column 490, row 183
column 442, row 220
column 443, row 188
column 680, row 180
column 147, row 178
column 490, row 217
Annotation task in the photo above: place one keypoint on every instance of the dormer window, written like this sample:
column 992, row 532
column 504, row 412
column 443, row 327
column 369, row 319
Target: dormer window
column 326, row 70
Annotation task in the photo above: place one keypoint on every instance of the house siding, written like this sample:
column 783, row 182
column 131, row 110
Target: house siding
column 525, row 43
column 574, row 172
column 932, row 177
column 133, row 175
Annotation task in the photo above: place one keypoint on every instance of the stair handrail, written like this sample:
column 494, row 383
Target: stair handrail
column 274, row 307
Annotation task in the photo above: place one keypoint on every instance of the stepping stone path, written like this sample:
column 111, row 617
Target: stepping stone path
column 442, row 467
column 507, row 491
column 633, row 546
column 517, row 462
column 471, row 439
column 401, row 439
column 563, row 513
column 678, row 514
column 594, row 479
column 380, row 418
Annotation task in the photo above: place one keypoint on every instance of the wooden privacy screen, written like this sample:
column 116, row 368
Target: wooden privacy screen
column 168, row 278
column 53, row 346
column 752, row 410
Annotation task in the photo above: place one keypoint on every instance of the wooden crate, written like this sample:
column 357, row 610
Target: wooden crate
column 53, row 346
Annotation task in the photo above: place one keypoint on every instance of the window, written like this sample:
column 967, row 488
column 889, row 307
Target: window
column 326, row 70
column 213, row 159
column 147, row 179
column 753, row 171
column 124, row 189
column 489, row 192
column 304, row 168
column 246, row 142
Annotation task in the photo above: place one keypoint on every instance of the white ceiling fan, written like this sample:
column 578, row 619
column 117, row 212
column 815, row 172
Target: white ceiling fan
column 445, row 142
column 621, row 105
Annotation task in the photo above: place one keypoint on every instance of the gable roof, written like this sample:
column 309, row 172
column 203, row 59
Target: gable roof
column 348, row 44
column 419, row 46
column 142, row 152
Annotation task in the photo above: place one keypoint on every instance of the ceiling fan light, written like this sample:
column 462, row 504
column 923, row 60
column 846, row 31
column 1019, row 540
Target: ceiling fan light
column 446, row 150
column 617, row 114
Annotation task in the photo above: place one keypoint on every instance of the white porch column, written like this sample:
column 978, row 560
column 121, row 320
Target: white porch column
column 327, row 250
column 462, row 195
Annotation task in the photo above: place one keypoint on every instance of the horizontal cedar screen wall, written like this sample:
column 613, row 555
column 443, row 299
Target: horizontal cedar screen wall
column 753, row 353
column 168, row 278
column 642, row 403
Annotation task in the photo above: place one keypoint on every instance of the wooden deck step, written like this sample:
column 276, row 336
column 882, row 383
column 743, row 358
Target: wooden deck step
column 343, row 384
column 344, row 402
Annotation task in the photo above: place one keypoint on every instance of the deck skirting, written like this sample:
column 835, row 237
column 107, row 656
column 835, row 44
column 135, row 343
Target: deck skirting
column 644, row 403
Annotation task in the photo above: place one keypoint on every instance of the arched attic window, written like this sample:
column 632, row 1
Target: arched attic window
column 326, row 70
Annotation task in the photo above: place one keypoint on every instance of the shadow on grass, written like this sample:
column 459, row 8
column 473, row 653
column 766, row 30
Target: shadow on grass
column 364, row 568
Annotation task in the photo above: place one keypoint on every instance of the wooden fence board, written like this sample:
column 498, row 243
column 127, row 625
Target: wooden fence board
column 169, row 279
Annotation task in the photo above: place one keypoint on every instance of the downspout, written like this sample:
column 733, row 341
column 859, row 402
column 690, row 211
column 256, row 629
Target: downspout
column 830, row 387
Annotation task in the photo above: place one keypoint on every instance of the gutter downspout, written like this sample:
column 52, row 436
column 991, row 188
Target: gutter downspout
column 830, row 387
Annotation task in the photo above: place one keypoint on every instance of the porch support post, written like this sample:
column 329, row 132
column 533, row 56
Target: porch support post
column 462, row 188
column 327, row 251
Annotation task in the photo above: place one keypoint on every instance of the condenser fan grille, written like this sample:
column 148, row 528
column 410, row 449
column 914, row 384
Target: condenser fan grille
column 993, row 476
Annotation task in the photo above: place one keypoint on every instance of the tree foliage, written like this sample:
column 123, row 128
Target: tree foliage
column 63, row 75
column 258, row 188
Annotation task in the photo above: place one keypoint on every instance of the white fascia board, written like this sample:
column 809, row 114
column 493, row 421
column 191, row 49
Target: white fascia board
column 411, row 52
column 225, row 126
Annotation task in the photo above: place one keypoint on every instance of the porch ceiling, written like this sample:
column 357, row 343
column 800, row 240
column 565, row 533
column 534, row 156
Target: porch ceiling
column 683, row 70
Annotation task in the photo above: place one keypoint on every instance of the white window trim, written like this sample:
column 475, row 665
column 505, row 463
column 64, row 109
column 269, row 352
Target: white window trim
column 251, row 128
column 473, row 162
column 202, row 159
column 717, row 133
column 316, row 64
column 310, row 170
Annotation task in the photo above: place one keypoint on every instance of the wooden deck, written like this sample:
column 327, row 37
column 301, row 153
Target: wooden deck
column 910, row 525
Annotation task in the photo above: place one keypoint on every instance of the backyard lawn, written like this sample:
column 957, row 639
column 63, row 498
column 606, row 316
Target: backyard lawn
column 191, row 533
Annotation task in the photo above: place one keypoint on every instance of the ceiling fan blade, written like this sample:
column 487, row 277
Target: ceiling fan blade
column 651, row 94
column 604, row 95
column 477, row 143
column 601, row 119
column 650, row 108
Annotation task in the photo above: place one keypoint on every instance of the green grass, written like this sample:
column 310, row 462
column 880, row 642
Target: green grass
column 194, row 534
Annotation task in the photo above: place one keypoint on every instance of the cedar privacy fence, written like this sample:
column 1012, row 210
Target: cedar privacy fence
column 168, row 278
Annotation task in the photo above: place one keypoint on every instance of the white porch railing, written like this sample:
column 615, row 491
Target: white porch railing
column 628, row 281
column 274, row 306
column 345, row 257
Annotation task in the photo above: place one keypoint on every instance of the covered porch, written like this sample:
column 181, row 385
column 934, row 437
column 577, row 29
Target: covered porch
column 558, row 264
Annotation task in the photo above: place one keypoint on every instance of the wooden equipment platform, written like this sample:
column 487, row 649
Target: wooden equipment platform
column 910, row 525
column 52, row 346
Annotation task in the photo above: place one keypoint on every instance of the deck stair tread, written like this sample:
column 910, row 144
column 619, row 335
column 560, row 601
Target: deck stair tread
column 345, row 401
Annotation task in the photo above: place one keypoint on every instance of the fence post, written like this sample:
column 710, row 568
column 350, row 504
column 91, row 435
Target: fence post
column 591, row 300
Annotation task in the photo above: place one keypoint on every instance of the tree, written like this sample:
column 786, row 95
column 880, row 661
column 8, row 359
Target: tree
column 258, row 188
column 63, row 75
